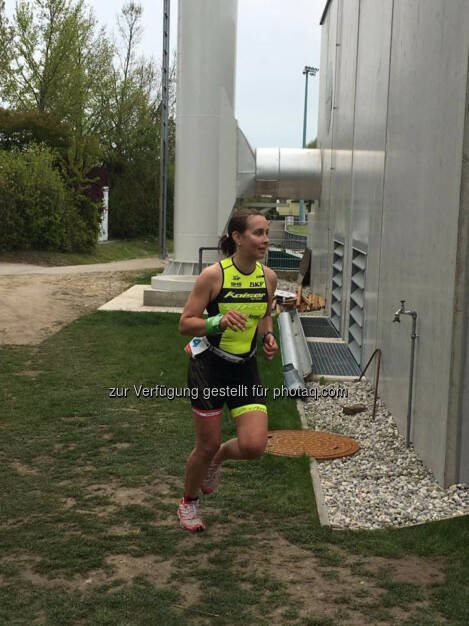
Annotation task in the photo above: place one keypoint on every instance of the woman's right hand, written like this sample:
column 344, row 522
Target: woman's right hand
column 234, row 320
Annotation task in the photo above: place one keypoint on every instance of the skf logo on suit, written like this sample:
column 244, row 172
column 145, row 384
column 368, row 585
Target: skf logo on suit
column 256, row 284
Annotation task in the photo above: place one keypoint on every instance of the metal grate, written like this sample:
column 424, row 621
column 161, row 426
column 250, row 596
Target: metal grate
column 337, row 276
column 357, row 299
column 318, row 327
column 332, row 359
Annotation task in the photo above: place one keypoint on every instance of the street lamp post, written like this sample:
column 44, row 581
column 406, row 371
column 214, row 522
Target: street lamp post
column 308, row 70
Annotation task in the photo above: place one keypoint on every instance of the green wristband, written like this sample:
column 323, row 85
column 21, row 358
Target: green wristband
column 212, row 325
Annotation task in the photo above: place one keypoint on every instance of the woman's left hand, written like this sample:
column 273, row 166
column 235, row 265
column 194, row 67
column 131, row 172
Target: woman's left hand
column 270, row 347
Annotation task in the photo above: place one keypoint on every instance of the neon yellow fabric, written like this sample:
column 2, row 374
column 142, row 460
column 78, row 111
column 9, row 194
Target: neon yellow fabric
column 248, row 407
column 246, row 293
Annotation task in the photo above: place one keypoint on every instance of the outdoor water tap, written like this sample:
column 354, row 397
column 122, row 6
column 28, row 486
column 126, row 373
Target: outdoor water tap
column 397, row 314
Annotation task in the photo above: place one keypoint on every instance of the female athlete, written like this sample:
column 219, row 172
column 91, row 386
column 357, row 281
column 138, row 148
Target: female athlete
column 237, row 293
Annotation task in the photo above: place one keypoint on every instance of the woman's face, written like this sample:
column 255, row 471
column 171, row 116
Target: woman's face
column 255, row 239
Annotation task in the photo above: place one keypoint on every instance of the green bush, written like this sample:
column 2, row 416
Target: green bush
column 134, row 198
column 37, row 210
column 33, row 197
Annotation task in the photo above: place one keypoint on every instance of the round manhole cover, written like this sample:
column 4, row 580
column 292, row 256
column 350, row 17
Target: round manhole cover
column 320, row 445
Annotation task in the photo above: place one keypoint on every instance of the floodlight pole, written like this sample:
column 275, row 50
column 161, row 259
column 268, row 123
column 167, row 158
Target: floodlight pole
column 307, row 71
column 164, row 131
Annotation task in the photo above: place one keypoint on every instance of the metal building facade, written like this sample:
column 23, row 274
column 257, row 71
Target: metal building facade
column 392, row 125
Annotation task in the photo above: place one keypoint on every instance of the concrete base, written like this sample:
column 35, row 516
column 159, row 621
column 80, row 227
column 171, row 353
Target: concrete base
column 168, row 290
column 167, row 282
column 161, row 297
column 183, row 268
column 131, row 300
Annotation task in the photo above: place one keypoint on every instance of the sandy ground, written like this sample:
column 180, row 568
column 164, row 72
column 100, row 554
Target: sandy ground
column 38, row 301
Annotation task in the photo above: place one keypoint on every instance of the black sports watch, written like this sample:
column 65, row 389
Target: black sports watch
column 269, row 332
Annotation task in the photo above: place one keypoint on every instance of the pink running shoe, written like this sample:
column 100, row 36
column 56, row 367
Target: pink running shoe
column 210, row 481
column 189, row 516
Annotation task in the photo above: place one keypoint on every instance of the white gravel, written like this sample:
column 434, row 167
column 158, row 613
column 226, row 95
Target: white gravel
column 384, row 483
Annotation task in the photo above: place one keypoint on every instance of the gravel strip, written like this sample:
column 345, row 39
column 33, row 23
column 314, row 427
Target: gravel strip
column 384, row 483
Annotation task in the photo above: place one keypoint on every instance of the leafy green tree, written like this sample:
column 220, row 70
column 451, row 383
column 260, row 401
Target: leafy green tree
column 21, row 128
column 96, row 105
column 56, row 60
column 135, row 115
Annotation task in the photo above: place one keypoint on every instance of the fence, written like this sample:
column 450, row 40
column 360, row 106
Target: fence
column 286, row 246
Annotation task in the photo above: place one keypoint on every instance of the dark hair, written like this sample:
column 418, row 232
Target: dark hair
column 239, row 223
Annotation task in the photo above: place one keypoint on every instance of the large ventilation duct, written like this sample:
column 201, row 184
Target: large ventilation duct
column 293, row 173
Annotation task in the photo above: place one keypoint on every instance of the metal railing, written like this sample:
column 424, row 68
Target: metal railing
column 286, row 247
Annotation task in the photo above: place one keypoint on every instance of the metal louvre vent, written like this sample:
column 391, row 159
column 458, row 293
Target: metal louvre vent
column 357, row 299
column 337, row 275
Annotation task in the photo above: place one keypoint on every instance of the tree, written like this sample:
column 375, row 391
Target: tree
column 53, row 59
column 134, row 133
column 59, row 73
column 21, row 128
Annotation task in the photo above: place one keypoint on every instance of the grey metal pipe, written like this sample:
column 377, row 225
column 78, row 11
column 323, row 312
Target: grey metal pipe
column 201, row 250
column 413, row 314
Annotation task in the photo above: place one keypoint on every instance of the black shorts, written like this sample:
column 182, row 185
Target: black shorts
column 214, row 381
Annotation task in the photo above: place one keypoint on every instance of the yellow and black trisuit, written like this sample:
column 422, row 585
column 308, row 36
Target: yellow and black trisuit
column 228, row 368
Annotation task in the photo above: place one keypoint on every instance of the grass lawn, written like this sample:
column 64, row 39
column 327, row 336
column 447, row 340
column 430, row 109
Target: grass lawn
column 298, row 229
column 89, row 490
column 115, row 250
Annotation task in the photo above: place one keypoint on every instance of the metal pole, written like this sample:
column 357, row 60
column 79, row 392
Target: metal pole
column 307, row 71
column 164, row 131
column 411, row 377
column 305, row 115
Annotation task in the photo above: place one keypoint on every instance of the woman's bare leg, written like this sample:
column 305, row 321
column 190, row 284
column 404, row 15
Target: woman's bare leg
column 208, row 438
column 251, row 440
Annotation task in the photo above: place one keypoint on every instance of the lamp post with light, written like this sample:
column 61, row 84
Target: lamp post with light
column 308, row 70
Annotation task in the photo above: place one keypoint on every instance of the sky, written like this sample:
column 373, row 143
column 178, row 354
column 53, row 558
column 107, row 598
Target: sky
column 275, row 40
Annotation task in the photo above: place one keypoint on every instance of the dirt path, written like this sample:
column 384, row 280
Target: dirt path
column 37, row 301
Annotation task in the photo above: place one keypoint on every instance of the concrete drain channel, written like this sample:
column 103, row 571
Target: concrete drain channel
column 333, row 361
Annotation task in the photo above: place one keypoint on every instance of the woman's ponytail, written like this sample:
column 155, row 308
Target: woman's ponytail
column 227, row 245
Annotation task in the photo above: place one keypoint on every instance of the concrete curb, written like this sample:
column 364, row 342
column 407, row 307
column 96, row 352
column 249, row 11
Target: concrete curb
column 313, row 469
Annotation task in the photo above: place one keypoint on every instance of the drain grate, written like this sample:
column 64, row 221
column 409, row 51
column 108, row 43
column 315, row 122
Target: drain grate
column 332, row 359
column 318, row 327
column 320, row 445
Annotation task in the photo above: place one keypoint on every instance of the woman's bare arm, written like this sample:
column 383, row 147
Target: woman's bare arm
column 191, row 322
column 266, row 323
column 207, row 285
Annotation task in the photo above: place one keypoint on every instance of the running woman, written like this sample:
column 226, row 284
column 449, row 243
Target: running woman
column 237, row 293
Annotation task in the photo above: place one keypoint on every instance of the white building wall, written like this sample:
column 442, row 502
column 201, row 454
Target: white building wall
column 396, row 190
